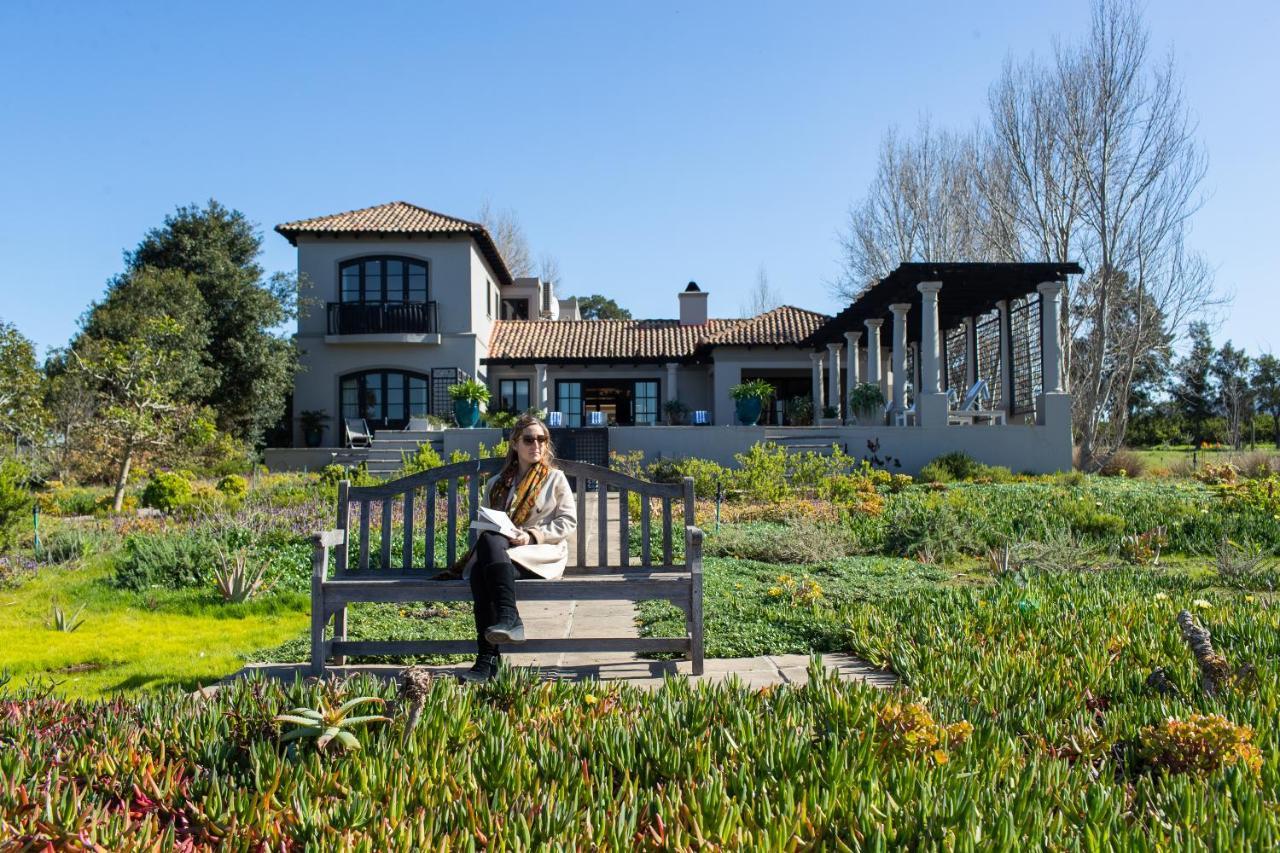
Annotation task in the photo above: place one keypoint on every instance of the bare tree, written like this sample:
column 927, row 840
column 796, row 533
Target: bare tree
column 1130, row 140
column 508, row 235
column 921, row 206
column 762, row 297
column 549, row 270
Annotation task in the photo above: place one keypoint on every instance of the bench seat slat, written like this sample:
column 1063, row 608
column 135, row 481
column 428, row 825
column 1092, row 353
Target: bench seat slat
column 468, row 647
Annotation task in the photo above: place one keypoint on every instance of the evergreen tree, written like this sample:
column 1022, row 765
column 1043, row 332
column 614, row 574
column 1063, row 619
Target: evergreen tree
column 1266, row 390
column 251, row 366
column 1193, row 392
column 1230, row 370
column 597, row 307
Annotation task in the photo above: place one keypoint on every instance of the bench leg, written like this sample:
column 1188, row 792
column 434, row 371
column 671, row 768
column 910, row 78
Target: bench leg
column 319, row 651
column 340, row 632
column 695, row 626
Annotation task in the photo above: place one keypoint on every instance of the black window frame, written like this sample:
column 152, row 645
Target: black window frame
column 362, row 288
column 515, row 408
column 406, row 392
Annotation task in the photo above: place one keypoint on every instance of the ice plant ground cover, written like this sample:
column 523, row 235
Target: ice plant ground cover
column 1026, row 716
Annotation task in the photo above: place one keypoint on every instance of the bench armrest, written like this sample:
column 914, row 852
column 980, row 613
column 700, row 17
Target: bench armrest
column 321, row 543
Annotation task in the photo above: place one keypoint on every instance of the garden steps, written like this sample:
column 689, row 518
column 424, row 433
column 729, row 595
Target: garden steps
column 389, row 447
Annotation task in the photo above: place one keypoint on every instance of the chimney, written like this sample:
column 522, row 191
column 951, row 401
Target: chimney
column 693, row 306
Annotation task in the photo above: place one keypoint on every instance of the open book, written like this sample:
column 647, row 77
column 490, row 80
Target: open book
column 495, row 520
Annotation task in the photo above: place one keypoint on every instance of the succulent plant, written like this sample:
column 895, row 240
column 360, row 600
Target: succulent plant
column 327, row 725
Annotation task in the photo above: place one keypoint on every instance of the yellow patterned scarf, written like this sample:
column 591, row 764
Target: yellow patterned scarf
column 526, row 492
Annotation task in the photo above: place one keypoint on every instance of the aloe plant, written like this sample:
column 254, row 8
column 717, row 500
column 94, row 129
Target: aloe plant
column 60, row 621
column 234, row 578
column 329, row 724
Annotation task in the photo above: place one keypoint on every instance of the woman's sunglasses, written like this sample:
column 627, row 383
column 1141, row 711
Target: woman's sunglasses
column 530, row 440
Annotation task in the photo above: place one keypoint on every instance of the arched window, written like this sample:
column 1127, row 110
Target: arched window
column 385, row 398
column 383, row 280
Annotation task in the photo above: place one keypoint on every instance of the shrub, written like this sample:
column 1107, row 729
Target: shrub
column 172, row 560
column 1123, row 463
column 105, row 504
column 233, row 486
column 15, row 501
column 929, row 530
column 961, row 466
column 762, row 472
column 705, row 473
column 498, row 420
column 68, row 500
column 168, row 491
column 67, row 544
column 1259, row 464
column 424, row 459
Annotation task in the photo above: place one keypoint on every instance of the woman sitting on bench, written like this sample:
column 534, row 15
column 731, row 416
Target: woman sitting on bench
column 536, row 495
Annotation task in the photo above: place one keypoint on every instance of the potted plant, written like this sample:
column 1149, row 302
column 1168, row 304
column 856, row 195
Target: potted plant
column 749, row 399
column 800, row 411
column 830, row 416
column 467, row 397
column 866, row 403
column 313, row 421
column 676, row 412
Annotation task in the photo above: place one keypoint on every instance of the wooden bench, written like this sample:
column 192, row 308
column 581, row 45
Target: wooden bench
column 358, row 577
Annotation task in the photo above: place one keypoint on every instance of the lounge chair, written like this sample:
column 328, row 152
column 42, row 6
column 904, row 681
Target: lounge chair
column 969, row 412
column 358, row 433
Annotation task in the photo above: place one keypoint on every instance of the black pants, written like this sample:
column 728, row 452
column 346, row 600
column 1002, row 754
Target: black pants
column 493, row 584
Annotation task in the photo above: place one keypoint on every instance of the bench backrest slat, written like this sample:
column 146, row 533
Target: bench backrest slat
column 344, row 524
column 431, row 526
column 477, row 472
column 646, row 558
column 386, row 533
column 624, row 538
column 602, row 527
column 364, row 536
column 582, row 521
column 473, row 507
column 451, row 532
column 666, row 531
column 406, row 561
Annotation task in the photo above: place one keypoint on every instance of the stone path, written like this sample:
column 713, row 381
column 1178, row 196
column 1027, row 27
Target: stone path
column 613, row 619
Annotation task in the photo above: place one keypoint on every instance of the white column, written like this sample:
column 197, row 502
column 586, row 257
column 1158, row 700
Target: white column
column 899, row 310
column 931, row 402
column 1050, row 338
column 873, row 349
column 672, row 388
column 851, row 358
column 816, row 359
column 970, row 353
column 540, row 380
column 929, row 335
column 1006, row 357
column 833, row 378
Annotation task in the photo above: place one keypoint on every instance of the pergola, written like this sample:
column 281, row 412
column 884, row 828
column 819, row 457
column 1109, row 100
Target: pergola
column 949, row 326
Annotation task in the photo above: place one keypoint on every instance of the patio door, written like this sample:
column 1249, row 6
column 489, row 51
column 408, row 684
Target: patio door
column 385, row 398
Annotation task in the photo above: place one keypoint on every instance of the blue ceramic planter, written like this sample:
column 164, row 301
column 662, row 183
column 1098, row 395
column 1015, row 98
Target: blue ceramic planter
column 748, row 411
column 466, row 413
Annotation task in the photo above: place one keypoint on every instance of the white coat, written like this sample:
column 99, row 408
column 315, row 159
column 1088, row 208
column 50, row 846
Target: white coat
column 554, row 517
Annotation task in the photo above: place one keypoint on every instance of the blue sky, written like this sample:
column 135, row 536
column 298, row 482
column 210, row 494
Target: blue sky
column 643, row 145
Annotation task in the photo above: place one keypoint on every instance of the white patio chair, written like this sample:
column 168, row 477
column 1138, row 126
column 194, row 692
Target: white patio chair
column 969, row 412
column 358, row 433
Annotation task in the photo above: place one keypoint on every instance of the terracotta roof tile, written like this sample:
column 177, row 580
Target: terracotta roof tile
column 397, row 217
column 526, row 341
column 782, row 325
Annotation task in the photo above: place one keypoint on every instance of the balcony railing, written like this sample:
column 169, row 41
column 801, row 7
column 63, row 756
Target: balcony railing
column 352, row 318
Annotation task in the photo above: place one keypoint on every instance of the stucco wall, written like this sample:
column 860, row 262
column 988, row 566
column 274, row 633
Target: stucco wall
column 1038, row 449
column 454, row 267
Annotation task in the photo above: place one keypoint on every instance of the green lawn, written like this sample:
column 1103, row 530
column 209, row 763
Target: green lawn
column 134, row 641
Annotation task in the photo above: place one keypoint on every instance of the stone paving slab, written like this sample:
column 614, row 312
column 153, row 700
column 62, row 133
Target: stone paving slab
column 649, row 674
